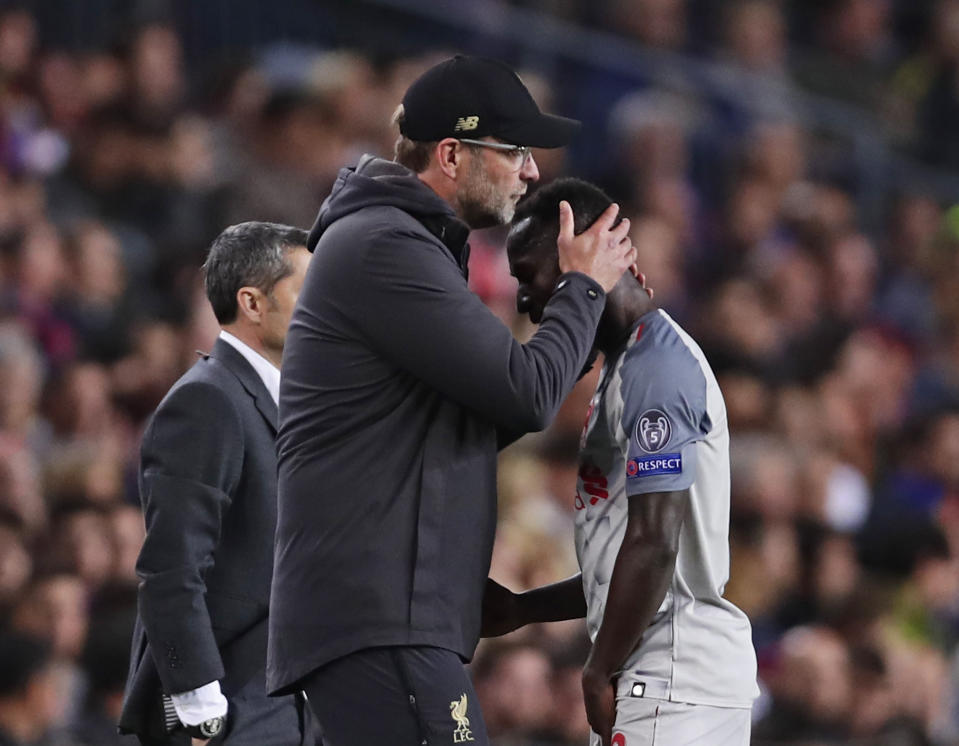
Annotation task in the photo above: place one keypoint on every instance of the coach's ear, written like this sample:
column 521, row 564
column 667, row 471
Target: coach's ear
column 450, row 154
column 251, row 305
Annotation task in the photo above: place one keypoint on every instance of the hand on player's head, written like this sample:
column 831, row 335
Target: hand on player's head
column 603, row 251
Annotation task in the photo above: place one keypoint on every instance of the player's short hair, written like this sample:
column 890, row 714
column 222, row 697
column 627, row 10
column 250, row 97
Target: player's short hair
column 541, row 209
column 252, row 254
column 413, row 154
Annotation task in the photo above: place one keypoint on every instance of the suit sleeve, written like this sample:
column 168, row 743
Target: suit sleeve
column 420, row 313
column 191, row 462
column 664, row 416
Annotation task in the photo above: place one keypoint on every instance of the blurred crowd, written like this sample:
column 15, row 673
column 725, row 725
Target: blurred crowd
column 835, row 338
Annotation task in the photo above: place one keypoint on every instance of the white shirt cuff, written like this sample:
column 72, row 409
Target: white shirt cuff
column 200, row 705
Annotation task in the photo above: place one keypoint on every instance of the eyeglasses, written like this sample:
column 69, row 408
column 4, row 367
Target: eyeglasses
column 518, row 155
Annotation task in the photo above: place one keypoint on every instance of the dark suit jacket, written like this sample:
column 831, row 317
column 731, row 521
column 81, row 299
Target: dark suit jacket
column 208, row 489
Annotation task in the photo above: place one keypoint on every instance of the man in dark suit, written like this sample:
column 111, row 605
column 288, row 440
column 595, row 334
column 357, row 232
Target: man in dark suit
column 208, row 488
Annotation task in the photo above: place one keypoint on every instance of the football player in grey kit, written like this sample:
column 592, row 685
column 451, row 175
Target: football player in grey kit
column 672, row 661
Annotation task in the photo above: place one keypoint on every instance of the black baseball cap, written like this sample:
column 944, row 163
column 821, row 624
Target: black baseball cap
column 474, row 97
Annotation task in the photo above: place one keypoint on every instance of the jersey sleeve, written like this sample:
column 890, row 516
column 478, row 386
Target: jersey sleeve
column 664, row 417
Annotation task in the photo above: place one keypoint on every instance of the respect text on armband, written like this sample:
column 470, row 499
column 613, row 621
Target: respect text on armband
column 650, row 466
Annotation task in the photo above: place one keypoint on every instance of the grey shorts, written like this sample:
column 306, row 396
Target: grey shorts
column 644, row 721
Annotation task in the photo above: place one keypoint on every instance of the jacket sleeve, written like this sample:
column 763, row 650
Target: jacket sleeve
column 191, row 462
column 420, row 313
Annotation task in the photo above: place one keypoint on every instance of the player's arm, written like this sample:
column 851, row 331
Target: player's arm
column 641, row 576
column 664, row 417
column 504, row 611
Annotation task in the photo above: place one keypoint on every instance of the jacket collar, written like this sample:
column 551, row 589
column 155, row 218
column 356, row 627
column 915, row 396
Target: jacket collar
column 233, row 361
column 453, row 233
column 376, row 181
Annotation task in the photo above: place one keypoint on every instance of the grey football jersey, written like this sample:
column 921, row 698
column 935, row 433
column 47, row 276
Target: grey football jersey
column 657, row 423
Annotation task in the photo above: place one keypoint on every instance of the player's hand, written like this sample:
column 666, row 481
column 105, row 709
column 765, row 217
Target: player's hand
column 602, row 251
column 199, row 741
column 500, row 610
column 599, row 695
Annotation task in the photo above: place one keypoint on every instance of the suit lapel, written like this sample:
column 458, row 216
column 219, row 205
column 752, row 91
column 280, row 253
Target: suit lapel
column 231, row 358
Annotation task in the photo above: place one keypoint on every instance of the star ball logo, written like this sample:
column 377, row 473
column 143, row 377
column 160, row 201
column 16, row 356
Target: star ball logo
column 653, row 431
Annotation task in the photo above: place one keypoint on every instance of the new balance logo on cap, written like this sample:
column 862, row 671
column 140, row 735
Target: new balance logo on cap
column 464, row 124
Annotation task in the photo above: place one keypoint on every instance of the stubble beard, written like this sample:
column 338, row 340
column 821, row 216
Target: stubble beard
column 481, row 203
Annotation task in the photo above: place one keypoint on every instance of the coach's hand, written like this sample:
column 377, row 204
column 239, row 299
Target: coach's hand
column 500, row 610
column 603, row 252
column 599, row 695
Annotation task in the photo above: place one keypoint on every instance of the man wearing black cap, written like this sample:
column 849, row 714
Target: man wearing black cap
column 398, row 386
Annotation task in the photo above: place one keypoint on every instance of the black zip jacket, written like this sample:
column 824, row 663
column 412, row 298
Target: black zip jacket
column 397, row 383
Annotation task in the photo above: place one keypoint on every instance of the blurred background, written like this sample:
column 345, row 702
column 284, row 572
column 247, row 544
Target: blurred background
column 792, row 172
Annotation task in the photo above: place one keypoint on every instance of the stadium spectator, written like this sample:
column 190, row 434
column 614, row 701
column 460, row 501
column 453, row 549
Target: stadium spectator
column 29, row 702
